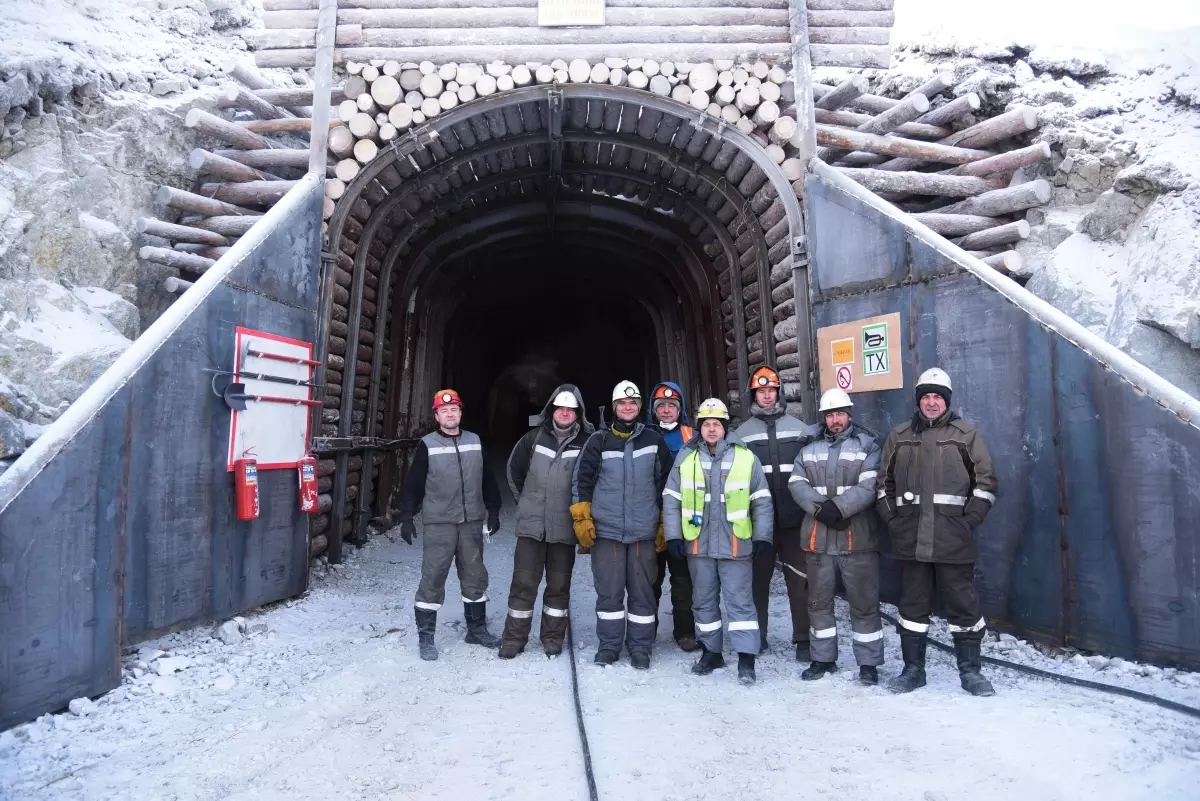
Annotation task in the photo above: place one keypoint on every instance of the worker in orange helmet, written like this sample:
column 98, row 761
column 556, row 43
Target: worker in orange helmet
column 776, row 437
column 450, row 483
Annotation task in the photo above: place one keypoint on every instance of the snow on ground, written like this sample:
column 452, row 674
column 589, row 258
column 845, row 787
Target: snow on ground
column 324, row 698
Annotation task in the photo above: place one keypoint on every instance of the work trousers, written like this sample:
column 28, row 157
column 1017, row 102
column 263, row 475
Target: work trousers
column 681, row 593
column 954, row 584
column 531, row 559
column 620, row 570
column 462, row 544
column 860, row 574
column 787, row 547
column 731, row 580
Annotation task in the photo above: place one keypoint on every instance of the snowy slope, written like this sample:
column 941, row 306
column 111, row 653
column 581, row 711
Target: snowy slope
column 325, row 699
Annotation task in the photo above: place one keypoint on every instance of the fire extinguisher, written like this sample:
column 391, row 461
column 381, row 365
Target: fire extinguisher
column 307, row 468
column 245, row 488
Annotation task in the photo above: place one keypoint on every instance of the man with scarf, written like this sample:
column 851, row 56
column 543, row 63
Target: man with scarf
column 617, row 494
column 668, row 416
column 539, row 476
column 775, row 437
column 937, row 486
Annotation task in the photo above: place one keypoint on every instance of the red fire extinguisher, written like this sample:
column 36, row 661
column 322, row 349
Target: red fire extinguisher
column 307, row 468
column 245, row 488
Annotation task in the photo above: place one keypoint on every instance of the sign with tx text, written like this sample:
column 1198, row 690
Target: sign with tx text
column 861, row 356
column 560, row 13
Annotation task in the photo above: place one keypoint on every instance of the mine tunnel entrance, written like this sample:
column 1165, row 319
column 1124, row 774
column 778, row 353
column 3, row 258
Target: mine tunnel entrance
column 551, row 234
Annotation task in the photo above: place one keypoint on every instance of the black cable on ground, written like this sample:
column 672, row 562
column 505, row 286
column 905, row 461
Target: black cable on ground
column 583, row 740
column 1113, row 689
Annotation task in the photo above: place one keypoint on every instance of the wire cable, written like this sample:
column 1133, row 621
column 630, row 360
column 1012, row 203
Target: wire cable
column 1113, row 689
column 583, row 739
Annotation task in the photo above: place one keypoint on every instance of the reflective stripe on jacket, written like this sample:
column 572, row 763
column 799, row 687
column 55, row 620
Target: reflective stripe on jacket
column 623, row 480
column 843, row 468
column 776, row 439
column 735, row 493
column 937, row 486
column 454, row 481
column 717, row 539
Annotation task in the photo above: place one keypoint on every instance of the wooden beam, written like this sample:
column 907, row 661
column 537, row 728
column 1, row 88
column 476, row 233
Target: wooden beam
column 1006, row 162
column 843, row 93
column 299, row 37
column 225, row 225
column 853, row 119
column 999, row 202
column 996, row 237
column 304, row 5
column 957, row 224
column 206, row 163
column 267, row 159
column 249, row 193
column 919, row 183
column 850, row 19
column 198, row 204
column 830, row 136
column 226, row 131
column 854, row 36
column 649, row 34
column 878, row 57
column 528, row 17
column 175, row 258
column 179, row 233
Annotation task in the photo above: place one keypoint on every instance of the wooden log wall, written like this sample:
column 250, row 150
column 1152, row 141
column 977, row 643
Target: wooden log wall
column 843, row 33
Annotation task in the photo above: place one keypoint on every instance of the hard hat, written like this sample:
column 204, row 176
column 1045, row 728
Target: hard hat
column 626, row 390
column 713, row 407
column 664, row 393
column 764, row 378
column 835, row 399
column 446, row 397
column 935, row 377
column 565, row 400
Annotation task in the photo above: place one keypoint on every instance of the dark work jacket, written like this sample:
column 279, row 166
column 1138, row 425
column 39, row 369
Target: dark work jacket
column 539, row 475
column 623, row 480
column 776, row 439
column 936, row 486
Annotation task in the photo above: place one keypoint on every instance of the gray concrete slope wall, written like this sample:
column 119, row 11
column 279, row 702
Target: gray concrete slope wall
column 120, row 522
column 1094, row 540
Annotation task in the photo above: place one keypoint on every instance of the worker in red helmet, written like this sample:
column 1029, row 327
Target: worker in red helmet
column 450, row 483
column 776, row 437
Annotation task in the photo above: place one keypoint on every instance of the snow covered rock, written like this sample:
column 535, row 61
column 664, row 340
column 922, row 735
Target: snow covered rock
column 1068, row 61
column 233, row 13
column 12, row 436
column 229, row 632
column 169, row 665
column 81, row 706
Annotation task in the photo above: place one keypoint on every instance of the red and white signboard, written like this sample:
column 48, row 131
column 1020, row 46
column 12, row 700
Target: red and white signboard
column 845, row 377
column 273, row 432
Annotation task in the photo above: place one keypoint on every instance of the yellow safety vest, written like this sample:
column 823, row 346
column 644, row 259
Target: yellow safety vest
column 736, row 497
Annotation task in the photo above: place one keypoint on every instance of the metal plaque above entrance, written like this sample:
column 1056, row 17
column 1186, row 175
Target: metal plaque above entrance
column 561, row 13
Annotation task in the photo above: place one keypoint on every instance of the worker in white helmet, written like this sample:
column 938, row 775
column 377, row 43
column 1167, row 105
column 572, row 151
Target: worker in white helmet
column 937, row 487
column 539, row 476
column 617, row 501
column 833, row 481
column 717, row 512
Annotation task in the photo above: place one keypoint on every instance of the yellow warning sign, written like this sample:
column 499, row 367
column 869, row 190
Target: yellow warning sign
column 861, row 356
column 843, row 351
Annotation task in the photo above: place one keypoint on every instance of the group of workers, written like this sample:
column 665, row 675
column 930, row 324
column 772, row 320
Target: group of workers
column 716, row 508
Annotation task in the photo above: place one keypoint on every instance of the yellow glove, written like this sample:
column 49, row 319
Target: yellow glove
column 585, row 527
column 660, row 539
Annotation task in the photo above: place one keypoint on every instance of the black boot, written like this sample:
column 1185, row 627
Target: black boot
column 606, row 656
column 868, row 674
column 972, row 680
column 802, row 652
column 477, row 630
column 913, row 675
column 746, row 669
column 640, row 660
column 708, row 662
column 426, row 625
column 762, row 642
column 818, row 669
column 514, row 636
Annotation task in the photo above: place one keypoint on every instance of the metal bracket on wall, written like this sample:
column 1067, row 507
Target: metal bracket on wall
column 799, row 250
column 336, row 444
column 554, row 127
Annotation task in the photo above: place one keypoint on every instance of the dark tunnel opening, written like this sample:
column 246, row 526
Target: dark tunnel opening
column 526, row 325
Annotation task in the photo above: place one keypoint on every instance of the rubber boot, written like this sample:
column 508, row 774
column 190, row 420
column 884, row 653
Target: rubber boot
column 553, row 633
column 912, row 646
column 746, row 669
column 426, row 626
column 708, row 662
column 972, row 680
column 640, row 660
column 802, row 652
column 762, row 642
column 606, row 656
column 817, row 670
column 868, row 674
column 477, row 630
column 515, row 636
